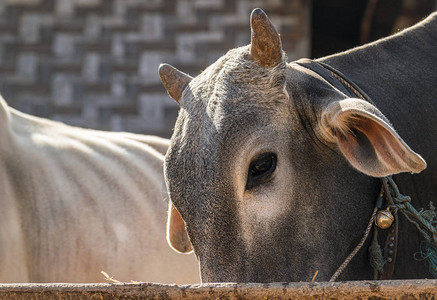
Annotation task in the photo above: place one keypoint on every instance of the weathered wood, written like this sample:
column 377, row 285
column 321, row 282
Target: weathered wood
column 395, row 289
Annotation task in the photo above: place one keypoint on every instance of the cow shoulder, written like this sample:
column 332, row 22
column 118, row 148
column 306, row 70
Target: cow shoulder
column 4, row 118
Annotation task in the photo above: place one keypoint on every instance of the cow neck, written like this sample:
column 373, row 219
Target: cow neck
column 340, row 82
column 335, row 78
column 390, row 63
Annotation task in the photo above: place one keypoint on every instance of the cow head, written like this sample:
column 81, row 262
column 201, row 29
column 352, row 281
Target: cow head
column 265, row 158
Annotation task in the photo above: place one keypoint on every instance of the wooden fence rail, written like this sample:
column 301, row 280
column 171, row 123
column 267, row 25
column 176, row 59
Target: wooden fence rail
column 394, row 289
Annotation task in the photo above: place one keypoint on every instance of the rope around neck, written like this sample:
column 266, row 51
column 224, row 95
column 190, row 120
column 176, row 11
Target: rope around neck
column 425, row 221
column 357, row 248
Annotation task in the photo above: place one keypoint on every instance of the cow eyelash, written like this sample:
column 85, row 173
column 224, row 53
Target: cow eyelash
column 261, row 169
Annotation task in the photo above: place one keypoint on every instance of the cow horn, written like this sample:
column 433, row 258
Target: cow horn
column 173, row 80
column 265, row 45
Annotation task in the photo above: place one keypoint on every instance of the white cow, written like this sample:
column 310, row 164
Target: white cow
column 74, row 202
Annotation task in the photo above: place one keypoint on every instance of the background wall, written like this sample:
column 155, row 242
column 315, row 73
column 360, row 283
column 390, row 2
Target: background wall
column 93, row 63
column 338, row 25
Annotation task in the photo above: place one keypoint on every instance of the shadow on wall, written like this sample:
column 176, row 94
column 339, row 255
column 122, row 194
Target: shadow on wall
column 337, row 25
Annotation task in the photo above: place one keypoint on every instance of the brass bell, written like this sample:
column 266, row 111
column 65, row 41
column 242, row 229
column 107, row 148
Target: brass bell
column 384, row 219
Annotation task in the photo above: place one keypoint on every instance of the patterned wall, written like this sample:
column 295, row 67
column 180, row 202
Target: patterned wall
column 93, row 63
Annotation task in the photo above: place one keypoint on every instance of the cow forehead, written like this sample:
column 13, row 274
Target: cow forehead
column 234, row 78
column 230, row 89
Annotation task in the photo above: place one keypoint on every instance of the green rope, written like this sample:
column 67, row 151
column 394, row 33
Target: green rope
column 429, row 214
column 423, row 220
column 429, row 252
column 376, row 259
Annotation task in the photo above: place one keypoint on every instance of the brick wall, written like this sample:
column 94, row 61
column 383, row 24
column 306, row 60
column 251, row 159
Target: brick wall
column 93, row 63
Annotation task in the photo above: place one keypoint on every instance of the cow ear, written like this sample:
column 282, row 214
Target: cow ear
column 173, row 80
column 367, row 140
column 177, row 235
column 265, row 44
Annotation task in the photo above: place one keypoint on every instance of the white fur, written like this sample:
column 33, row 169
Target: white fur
column 74, row 202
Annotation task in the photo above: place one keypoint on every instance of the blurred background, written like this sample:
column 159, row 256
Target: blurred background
column 93, row 63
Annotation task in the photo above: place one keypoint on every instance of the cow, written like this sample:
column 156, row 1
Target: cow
column 275, row 167
column 75, row 202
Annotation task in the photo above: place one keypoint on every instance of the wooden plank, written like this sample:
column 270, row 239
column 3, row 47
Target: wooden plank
column 393, row 289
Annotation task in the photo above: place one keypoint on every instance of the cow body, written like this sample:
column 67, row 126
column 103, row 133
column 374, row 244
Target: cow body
column 75, row 202
column 275, row 170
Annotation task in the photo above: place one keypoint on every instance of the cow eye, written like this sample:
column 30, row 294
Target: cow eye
column 261, row 169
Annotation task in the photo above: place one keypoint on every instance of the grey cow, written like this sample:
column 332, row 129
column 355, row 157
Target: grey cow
column 275, row 166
